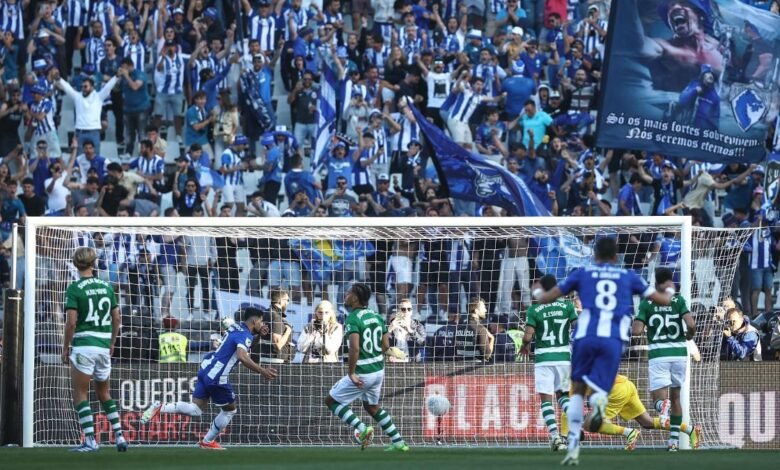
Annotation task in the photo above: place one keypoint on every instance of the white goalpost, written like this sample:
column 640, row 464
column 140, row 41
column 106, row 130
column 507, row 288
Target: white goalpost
column 189, row 274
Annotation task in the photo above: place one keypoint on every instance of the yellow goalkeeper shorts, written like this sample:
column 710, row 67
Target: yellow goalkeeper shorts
column 624, row 400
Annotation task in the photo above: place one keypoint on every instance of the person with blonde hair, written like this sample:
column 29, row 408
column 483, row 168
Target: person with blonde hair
column 91, row 328
column 321, row 339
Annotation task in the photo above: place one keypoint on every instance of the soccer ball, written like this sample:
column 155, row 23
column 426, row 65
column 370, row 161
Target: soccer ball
column 437, row 405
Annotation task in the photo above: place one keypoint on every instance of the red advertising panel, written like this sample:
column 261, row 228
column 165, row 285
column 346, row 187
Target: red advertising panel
column 502, row 406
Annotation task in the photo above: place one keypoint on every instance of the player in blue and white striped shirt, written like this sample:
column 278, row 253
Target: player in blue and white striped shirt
column 593, row 32
column 762, row 273
column 262, row 25
column 377, row 55
column 295, row 18
column 381, row 140
column 213, row 378
column 467, row 98
column 103, row 12
column 135, row 49
column 11, row 18
column 606, row 292
column 150, row 166
column 77, row 13
column 169, row 78
column 95, row 45
column 42, row 114
column 232, row 168
column 362, row 159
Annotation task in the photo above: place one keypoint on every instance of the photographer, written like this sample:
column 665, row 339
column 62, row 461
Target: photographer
column 740, row 339
column 276, row 345
column 405, row 333
column 321, row 339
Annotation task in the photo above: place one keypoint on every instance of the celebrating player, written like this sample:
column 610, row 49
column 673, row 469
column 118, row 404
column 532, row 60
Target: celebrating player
column 606, row 293
column 213, row 378
column 368, row 342
column 91, row 329
column 550, row 324
column 667, row 329
column 624, row 401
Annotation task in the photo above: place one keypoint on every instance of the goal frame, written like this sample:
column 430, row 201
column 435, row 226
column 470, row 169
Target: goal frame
column 34, row 223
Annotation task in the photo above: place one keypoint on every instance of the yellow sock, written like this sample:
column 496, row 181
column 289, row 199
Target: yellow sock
column 611, row 429
column 564, row 424
column 657, row 425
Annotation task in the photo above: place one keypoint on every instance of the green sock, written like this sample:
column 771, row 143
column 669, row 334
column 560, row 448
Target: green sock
column 385, row 421
column 344, row 413
column 563, row 402
column 674, row 428
column 548, row 413
column 85, row 419
column 109, row 407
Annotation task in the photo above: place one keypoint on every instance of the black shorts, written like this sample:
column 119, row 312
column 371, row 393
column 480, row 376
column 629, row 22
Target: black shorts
column 434, row 272
column 378, row 277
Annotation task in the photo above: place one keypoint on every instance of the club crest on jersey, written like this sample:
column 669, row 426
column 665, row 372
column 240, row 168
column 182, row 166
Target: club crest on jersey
column 487, row 185
column 748, row 107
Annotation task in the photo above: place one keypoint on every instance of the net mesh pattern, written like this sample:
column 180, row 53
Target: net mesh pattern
column 201, row 275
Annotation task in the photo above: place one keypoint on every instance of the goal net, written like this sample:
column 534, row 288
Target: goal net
column 188, row 275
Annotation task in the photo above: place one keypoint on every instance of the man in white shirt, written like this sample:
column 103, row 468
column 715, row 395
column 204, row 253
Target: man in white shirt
column 88, row 105
column 439, row 83
column 57, row 191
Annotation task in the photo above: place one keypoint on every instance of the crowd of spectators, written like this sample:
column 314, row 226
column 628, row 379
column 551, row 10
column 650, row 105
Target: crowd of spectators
column 213, row 108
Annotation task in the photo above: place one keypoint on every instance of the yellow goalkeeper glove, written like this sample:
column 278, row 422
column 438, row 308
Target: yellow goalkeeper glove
column 395, row 353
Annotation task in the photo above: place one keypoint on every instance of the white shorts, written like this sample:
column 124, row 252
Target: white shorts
column 92, row 363
column 461, row 133
column 551, row 379
column 234, row 194
column 345, row 392
column 667, row 374
column 402, row 267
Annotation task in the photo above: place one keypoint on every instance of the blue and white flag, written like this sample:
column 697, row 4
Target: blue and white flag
column 326, row 109
column 696, row 79
column 325, row 258
column 471, row 177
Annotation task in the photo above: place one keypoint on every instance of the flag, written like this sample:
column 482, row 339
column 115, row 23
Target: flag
column 471, row 177
column 713, row 106
column 324, row 258
column 326, row 109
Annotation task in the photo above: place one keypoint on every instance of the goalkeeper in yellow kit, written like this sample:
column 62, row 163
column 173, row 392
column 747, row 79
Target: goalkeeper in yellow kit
column 624, row 401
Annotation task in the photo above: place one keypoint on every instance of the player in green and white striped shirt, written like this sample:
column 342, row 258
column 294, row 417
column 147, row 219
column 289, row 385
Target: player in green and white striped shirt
column 668, row 328
column 367, row 335
column 549, row 325
column 91, row 329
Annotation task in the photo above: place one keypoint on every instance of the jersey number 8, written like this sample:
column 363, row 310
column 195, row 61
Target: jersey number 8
column 605, row 298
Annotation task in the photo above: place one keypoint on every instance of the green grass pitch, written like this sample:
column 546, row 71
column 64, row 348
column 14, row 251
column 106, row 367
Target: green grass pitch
column 147, row 458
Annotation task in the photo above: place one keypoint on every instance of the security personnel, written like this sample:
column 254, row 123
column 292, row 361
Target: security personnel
column 473, row 341
column 173, row 345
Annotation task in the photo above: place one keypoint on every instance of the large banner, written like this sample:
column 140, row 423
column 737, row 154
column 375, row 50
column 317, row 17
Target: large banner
column 694, row 78
column 749, row 405
column 491, row 405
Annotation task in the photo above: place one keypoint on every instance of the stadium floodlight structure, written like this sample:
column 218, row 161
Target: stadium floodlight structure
column 493, row 404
